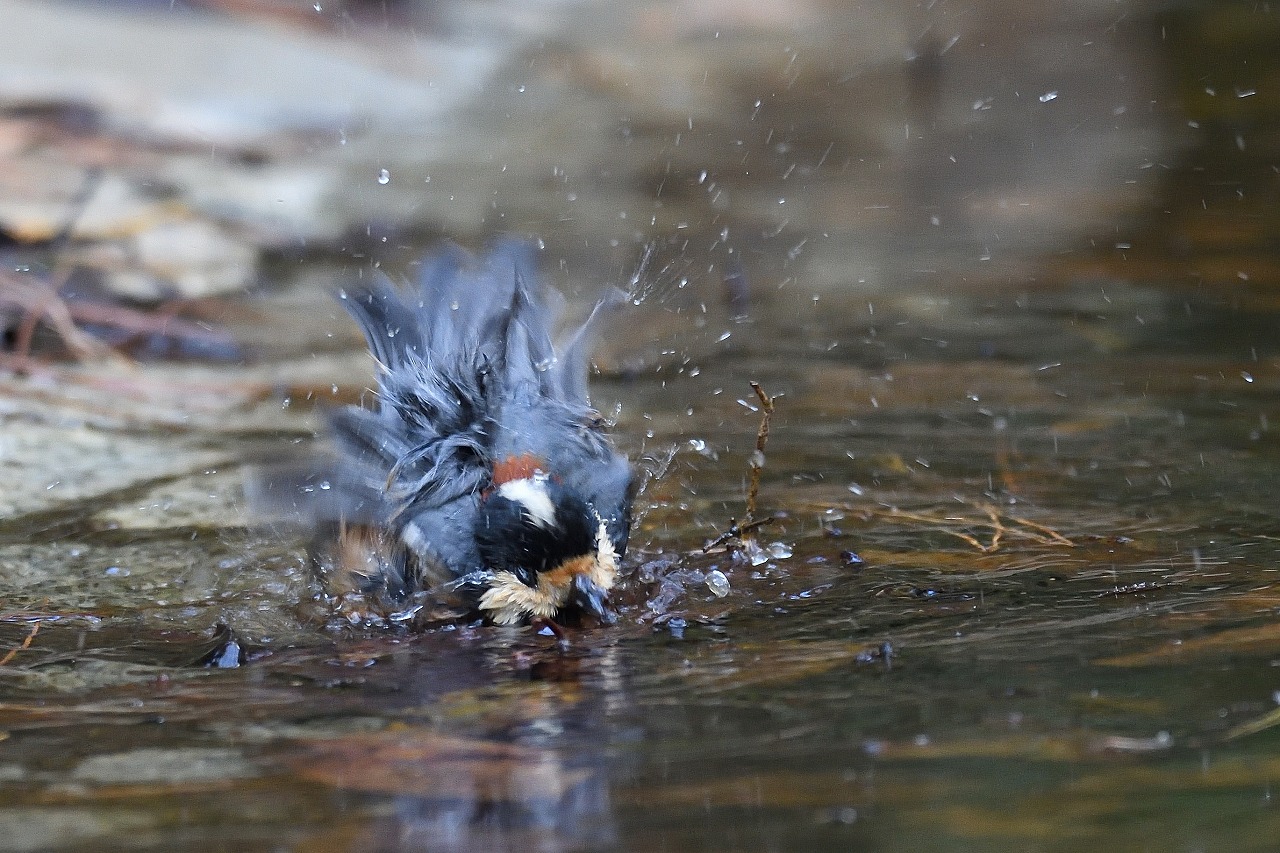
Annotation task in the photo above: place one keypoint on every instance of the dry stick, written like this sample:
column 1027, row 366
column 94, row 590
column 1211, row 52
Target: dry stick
column 26, row 644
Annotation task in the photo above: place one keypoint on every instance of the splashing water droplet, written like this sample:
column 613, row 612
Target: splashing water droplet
column 718, row 583
column 384, row 177
column 780, row 550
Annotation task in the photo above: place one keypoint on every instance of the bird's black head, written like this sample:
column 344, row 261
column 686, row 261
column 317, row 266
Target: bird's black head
column 548, row 551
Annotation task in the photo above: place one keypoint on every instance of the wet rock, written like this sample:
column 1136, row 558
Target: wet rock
column 32, row 828
column 191, row 259
column 209, row 499
column 174, row 766
column 47, row 466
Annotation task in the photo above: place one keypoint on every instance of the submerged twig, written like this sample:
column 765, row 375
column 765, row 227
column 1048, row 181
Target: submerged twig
column 1002, row 526
column 26, row 644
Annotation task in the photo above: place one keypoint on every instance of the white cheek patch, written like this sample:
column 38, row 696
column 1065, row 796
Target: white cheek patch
column 531, row 494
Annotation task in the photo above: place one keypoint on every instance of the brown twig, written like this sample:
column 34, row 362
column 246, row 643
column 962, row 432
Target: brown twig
column 1054, row 535
column 738, row 531
column 26, row 644
column 39, row 300
column 745, row 531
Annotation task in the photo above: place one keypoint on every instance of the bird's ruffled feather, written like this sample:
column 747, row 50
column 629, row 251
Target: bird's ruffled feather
column 468, row 375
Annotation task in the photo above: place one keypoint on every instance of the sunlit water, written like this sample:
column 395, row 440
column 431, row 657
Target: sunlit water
column 1019, row 592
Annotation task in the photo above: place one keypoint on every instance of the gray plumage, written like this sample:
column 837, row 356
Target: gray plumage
column 468, row 376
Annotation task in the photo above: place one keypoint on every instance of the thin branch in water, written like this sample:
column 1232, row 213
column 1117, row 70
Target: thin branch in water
column 26, row 644
column 757, row 458
column 1023, row 528
column 1053, row 535
column 740, row 533
column 997, row 525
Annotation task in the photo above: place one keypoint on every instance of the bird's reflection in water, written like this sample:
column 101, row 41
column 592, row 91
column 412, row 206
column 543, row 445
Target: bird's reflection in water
column 579, row 819
column 495, row 747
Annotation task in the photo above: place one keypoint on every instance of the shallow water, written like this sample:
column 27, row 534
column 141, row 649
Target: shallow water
column 1022, row 593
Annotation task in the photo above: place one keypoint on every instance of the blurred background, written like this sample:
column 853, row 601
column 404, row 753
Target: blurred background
column 830, row 146
column 785, row 150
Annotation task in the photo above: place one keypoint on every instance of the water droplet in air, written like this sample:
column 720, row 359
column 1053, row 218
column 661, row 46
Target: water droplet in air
column 718, row 583
column 384, row 177
column 1047, row 97
column 780, row 550
column 1246, row 376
